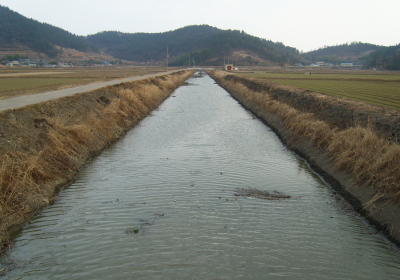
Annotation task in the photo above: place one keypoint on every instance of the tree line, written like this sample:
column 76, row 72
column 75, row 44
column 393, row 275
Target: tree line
column 16, row 29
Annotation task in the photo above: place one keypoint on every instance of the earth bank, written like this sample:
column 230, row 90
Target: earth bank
column 353, row 145
column 43, row 146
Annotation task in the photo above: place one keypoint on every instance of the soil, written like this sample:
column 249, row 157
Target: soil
column 25, row 131
column 382, row 214
column 339, row 112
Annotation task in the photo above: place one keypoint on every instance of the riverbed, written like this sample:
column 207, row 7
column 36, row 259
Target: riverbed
column 161, row 204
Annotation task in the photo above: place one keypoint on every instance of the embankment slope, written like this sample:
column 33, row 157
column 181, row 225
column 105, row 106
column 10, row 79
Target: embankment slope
column 43, row 146
column 351, row 144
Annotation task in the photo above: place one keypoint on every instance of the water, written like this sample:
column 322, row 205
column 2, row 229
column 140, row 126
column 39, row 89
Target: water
column 174, row 178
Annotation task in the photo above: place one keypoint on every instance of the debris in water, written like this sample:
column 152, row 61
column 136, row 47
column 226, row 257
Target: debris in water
column 106, row 202
column 159, row 215
column 252, row 192
column 135, row 230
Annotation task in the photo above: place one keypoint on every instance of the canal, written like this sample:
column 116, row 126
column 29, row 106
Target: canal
column 173, row 180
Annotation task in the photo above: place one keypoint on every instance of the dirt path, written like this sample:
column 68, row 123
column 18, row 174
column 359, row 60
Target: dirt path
column 21, row 101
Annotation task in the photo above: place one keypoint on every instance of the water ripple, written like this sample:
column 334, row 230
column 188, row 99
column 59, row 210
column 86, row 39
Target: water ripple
column 174, row 178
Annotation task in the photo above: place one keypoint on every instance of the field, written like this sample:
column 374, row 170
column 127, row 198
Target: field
column 382, row 90
column 23, row 81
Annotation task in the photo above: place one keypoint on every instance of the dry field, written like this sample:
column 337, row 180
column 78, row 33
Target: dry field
column 24, row 81
column 381, row 88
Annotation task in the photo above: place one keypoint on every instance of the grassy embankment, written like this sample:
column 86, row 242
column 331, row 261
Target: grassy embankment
column 383, row 90
column 360, row 150
column 44, row 145
column 24, row 80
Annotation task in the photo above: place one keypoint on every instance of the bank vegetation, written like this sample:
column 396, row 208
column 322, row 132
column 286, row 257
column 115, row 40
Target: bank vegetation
column 352, row 137
column 43, row 146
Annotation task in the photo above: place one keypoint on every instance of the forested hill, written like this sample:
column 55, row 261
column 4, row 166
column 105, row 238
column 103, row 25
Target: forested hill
column 204, row 44
column 352, row 52
column 385, row 57
column 16, row 30
column 365, row 54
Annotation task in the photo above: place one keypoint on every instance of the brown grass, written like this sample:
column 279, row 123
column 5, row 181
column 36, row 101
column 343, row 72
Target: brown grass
column 356, row 150
column 25, row 176
column 20, row 80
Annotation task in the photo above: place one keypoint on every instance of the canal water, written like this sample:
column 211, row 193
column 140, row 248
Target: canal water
column 173, row 178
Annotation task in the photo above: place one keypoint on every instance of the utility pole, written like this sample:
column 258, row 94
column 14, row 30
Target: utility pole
column 167, row 58
column 189, row 60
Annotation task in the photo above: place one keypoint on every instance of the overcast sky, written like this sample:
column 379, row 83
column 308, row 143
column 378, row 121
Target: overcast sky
column 303, row 24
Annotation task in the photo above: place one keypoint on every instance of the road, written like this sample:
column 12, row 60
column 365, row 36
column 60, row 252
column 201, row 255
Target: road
column 21, row 101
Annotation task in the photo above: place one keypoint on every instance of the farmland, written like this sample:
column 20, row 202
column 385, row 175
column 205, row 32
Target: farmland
column 382, row 90
column 23, row 81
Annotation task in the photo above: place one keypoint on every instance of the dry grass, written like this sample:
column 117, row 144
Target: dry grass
column 67, row 146
column 356, row 150
column 24, row 80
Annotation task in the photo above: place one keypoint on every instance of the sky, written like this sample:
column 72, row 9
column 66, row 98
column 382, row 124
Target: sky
column 304, row 24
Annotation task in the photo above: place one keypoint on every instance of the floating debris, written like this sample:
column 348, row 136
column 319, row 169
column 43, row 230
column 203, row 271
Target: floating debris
column 110, row 201
column 251, row 192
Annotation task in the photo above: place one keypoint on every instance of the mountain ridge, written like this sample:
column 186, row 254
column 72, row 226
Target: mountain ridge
column 189, row 45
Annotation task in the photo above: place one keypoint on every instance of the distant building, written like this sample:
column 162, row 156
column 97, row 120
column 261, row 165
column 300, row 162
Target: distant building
column 13, row 63
column 346, row 64
column 321, row 63
column 228, row 67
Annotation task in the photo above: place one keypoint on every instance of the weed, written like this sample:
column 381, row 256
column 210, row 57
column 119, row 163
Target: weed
column 357, row 150
column 67, row 143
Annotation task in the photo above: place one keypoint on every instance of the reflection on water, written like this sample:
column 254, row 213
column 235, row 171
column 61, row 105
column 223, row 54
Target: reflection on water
column 173, row 178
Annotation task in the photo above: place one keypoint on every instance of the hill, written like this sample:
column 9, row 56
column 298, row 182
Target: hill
column 385, row 57
column 17, row 31
column 201, row 44
column 353, row 52
column 204, row 44
column 368, row 55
